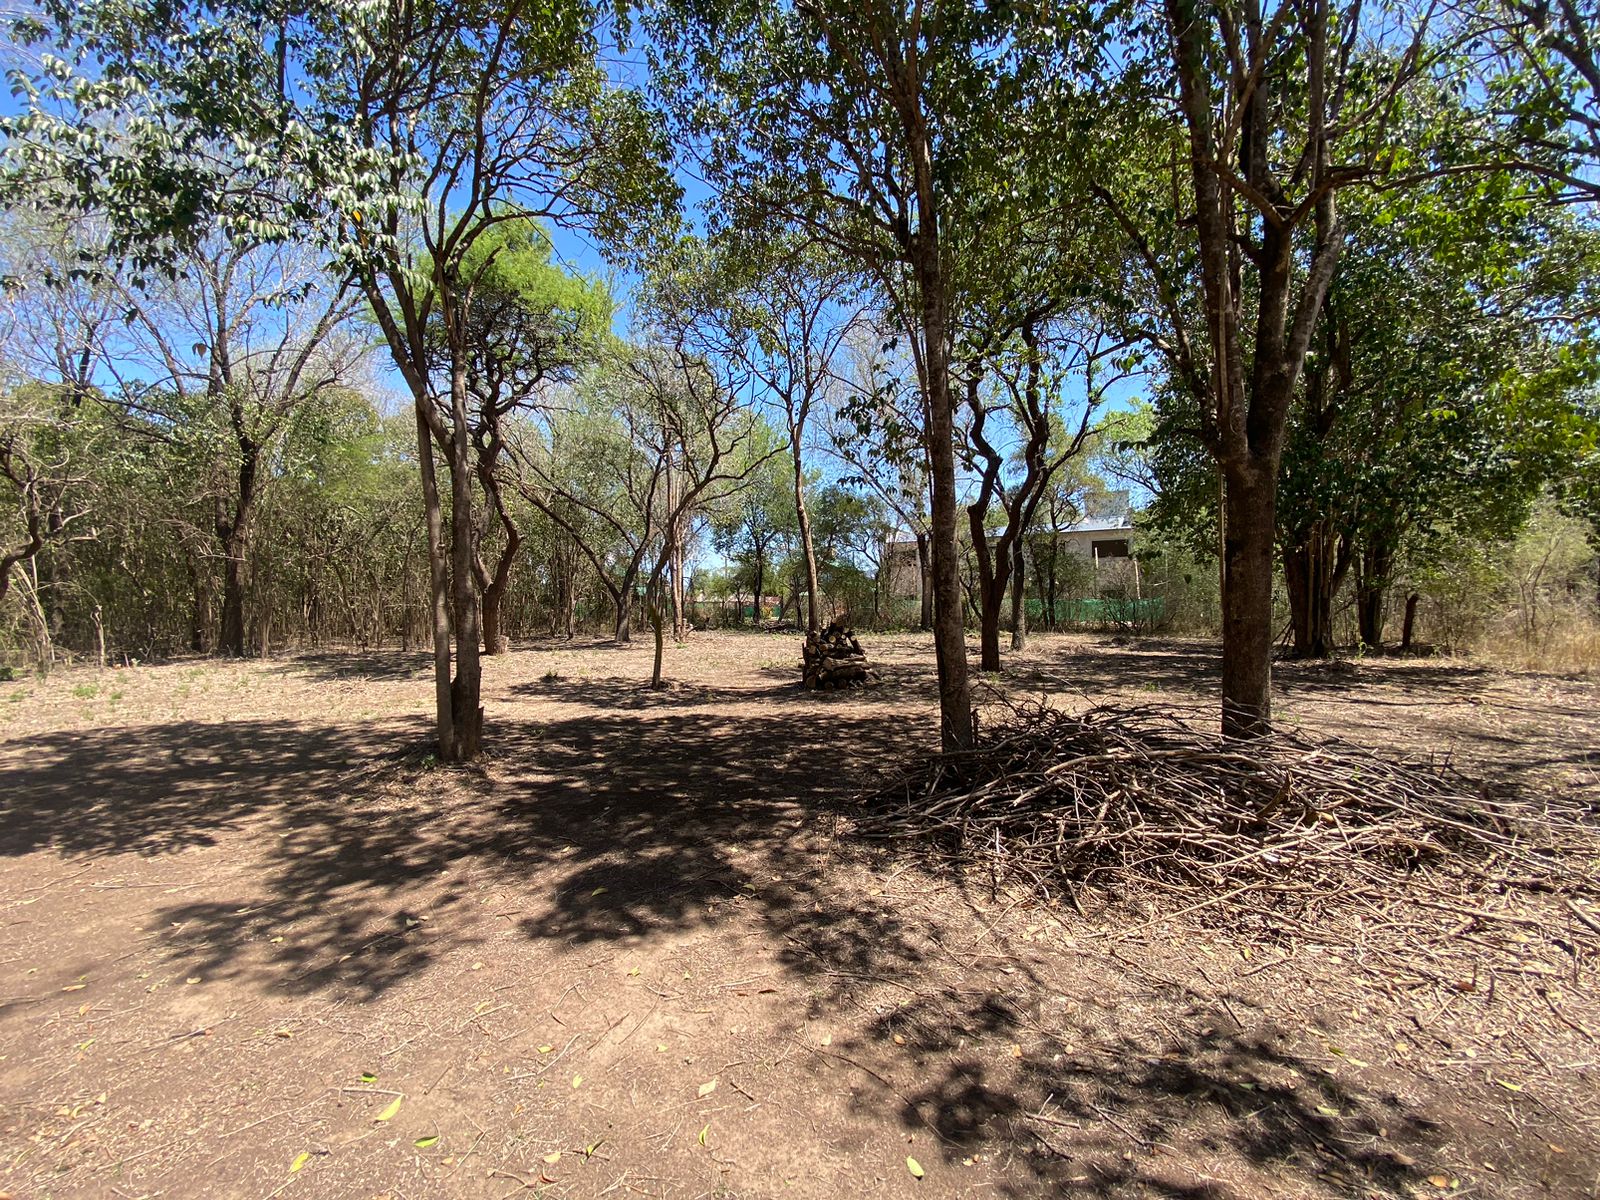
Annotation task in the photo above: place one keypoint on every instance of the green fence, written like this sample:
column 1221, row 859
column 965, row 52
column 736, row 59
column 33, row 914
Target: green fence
column 726, row 612
column 1102, row 610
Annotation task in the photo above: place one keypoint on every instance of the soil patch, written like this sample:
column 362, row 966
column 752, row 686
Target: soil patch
column 637, row 951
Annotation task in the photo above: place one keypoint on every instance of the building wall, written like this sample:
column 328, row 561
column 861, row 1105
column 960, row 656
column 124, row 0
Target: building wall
column 903, row 574
column 902, row 571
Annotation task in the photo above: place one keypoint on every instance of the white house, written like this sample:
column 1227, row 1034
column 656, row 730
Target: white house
column 1104, row 536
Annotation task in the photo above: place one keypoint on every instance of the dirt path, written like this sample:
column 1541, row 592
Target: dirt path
column 637, row 953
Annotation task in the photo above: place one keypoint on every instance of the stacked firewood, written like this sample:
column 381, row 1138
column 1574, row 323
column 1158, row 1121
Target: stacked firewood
column 834, row 659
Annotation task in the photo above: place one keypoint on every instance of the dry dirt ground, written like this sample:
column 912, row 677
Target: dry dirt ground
column 256, row 944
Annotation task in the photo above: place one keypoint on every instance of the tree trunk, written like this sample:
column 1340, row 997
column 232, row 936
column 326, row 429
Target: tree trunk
column 680, row 611
column 494, row 591
column 1410, row 625
column 949, row 624
column 807, row 550
column 991, row 598
column 1308, row 572
column 231, row 643
column 925, row 581
column 494, row 641
column 1051, row 590
column 622, row 598
column 1369, row 614
column 624, row 625
column 759, row 584
column 1019, row 599
column 1247, row 599
column 466, row 691
column 234, row 534
column 1372, row 588
column 438, row 589
column 658, row 623
column 993, row 563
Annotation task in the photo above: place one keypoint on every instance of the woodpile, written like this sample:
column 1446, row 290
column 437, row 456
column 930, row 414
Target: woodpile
column 834, row 659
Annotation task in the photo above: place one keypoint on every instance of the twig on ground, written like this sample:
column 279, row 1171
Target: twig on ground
column 1274, row 836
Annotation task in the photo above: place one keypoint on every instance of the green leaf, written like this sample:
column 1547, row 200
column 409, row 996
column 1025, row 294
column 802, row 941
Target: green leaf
column 914, row 1167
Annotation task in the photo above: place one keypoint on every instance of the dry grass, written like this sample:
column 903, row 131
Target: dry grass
column 1571, row 647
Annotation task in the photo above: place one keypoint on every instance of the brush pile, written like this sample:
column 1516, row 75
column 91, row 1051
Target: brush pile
column 1133, row 803
column 834, row 659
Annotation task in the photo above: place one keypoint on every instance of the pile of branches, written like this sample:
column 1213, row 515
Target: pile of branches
column 1120, row 802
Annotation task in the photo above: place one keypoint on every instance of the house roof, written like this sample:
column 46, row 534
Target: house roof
column 1118, row 523
column 1106, row 523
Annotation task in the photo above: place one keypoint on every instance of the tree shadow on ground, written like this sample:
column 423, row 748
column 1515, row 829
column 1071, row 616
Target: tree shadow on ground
column 1094, row 667
column 586, row 644
column 159, row 789
column 629, row 694
column 1511, row 742
column 374, row 665
column 615, row 827
column 1111, row 1100
column 356, row 853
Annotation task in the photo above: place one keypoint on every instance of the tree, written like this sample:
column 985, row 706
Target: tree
column 52, row 326
column 1279, row 113
column 580, row 468
column 1034, row 379
column 691, row 420
column 753, row 528
column 1537, row 65
column 874, row 431
column 653, row 434
column 852, row 531
column 242, row 337
column 44, row 453
column 868, row 128
column 1435, row 390
column 798, row 316
column 531, row 326
column 399, row 133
